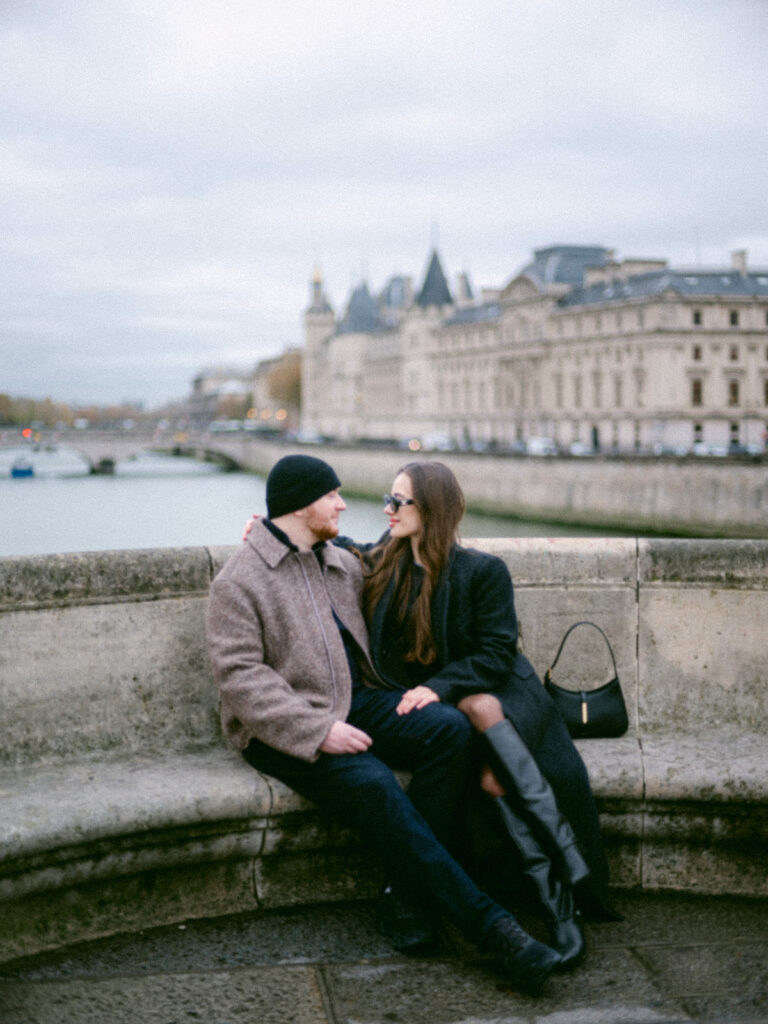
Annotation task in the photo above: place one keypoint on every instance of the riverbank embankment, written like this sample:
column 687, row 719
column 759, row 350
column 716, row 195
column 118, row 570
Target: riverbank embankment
column 681, row 497
column 641, row 495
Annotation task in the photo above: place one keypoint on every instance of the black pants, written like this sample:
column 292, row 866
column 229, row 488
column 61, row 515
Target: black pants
column 435, row 744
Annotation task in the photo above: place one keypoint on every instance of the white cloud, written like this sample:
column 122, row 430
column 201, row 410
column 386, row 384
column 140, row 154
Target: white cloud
column 171, row 173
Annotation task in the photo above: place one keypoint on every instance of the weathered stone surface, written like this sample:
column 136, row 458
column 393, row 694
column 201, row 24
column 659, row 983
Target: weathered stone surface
column 274, row 995
column 701, row 661
column 286, row 879
column 615, row 766
column 105, row 906
column 129, row 677
column 673, row 958
column 738, row 868
column 219, row 554
column 437, row 993
column 86, row 803
column 722, row 563
column 565, row 561
column 67, row 579
column 709, row 768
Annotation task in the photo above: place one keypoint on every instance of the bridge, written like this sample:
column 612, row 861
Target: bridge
column 104, row 449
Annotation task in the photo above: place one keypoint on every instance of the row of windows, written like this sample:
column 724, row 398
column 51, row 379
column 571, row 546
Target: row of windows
column 733, row 392
column 523, row 394
column 617, row 321
column 697, row 318
column 525, row 330
column 734, row 353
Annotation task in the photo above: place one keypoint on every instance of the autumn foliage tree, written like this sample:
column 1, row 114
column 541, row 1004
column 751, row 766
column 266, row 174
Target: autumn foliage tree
column 284, row 380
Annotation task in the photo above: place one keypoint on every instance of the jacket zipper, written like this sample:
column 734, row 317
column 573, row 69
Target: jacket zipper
column 320, row 623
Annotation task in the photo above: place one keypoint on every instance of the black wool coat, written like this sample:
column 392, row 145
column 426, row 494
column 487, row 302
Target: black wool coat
column 476, row 635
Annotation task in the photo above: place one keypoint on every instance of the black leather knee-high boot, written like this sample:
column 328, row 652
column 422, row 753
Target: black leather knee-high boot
column 555, row 896
column 515, row 768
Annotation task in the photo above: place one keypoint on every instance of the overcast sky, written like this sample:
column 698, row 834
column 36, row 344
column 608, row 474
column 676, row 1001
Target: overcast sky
column 171, row 173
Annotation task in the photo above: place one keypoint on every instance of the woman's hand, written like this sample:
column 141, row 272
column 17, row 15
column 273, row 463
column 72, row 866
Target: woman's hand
column 418, row 697
column 249, row 524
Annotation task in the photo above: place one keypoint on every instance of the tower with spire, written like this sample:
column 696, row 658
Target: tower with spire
column 319, row 324
column 368, row 373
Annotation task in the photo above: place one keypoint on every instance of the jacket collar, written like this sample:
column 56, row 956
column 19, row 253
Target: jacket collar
column 273, row 545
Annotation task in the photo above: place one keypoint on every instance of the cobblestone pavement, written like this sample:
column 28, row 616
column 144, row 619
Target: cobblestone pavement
column 673, row 959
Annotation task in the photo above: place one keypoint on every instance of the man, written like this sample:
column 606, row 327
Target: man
column 300, row 698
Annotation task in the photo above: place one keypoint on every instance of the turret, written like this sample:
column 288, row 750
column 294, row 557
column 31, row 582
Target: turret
column 319, row 326
column 319, row 318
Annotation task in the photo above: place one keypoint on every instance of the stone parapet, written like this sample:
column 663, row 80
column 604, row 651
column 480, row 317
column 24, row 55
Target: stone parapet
column 121, row 805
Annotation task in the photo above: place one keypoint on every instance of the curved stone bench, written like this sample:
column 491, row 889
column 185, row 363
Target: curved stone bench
column 121, row 807
column 684, row 795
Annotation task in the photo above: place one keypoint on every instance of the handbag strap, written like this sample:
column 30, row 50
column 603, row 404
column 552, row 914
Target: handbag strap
column 583, row 622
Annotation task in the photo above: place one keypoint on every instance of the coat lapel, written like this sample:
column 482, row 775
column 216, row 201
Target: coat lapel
column 440, row 603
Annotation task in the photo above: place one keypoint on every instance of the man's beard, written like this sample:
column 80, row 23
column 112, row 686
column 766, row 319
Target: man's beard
column 322, row 529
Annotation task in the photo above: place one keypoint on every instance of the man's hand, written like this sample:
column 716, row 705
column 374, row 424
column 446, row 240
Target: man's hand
column 418, row 697
column 344, row 738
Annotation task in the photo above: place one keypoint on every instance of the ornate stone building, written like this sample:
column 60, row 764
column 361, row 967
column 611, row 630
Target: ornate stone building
column 578, row 347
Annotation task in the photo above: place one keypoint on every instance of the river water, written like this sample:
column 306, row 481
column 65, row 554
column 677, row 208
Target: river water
column 161, row 501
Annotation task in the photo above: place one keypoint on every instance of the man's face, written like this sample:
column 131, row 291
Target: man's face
column 322, row 516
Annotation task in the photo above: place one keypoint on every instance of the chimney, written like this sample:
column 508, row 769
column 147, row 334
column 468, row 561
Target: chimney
column 739, row 261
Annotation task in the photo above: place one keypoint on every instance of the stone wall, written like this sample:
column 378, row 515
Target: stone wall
column 122, row 806
column 693, row 497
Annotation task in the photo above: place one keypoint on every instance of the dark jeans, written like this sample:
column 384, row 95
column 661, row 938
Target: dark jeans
column 434, row 743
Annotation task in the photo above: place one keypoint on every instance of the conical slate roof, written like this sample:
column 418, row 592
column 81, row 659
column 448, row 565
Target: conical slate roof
column 434, row 291
column 362, row 313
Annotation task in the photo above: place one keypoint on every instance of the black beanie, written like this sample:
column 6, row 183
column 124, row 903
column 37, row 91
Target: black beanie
column 295, row 481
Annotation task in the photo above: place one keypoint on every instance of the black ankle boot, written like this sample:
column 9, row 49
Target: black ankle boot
column 518, row 772
column 403, row 924
column 555, row 896
column 524, row 961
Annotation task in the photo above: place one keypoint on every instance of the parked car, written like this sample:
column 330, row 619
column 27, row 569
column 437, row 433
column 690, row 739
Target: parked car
column 705, row 448
column 307, row 437
column 580, row 448
column 736, row 448
column 670, row 449
column 540, row 446
column 438, row 443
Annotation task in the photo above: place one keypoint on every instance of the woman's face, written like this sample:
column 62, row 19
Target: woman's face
column 404, row 521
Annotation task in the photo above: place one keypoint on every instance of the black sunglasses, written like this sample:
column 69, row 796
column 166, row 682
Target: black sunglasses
column 390, row 499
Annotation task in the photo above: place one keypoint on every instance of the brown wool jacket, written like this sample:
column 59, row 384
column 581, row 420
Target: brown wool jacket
column 277, row 654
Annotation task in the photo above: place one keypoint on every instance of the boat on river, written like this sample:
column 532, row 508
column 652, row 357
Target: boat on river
column 21, row 468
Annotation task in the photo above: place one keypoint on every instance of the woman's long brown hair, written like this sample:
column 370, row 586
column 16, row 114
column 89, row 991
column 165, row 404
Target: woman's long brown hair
column 441, row 503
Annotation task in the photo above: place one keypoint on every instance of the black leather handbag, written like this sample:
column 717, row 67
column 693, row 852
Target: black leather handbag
column 589, row 714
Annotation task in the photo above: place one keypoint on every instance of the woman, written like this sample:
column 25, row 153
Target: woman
column 443, row 627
